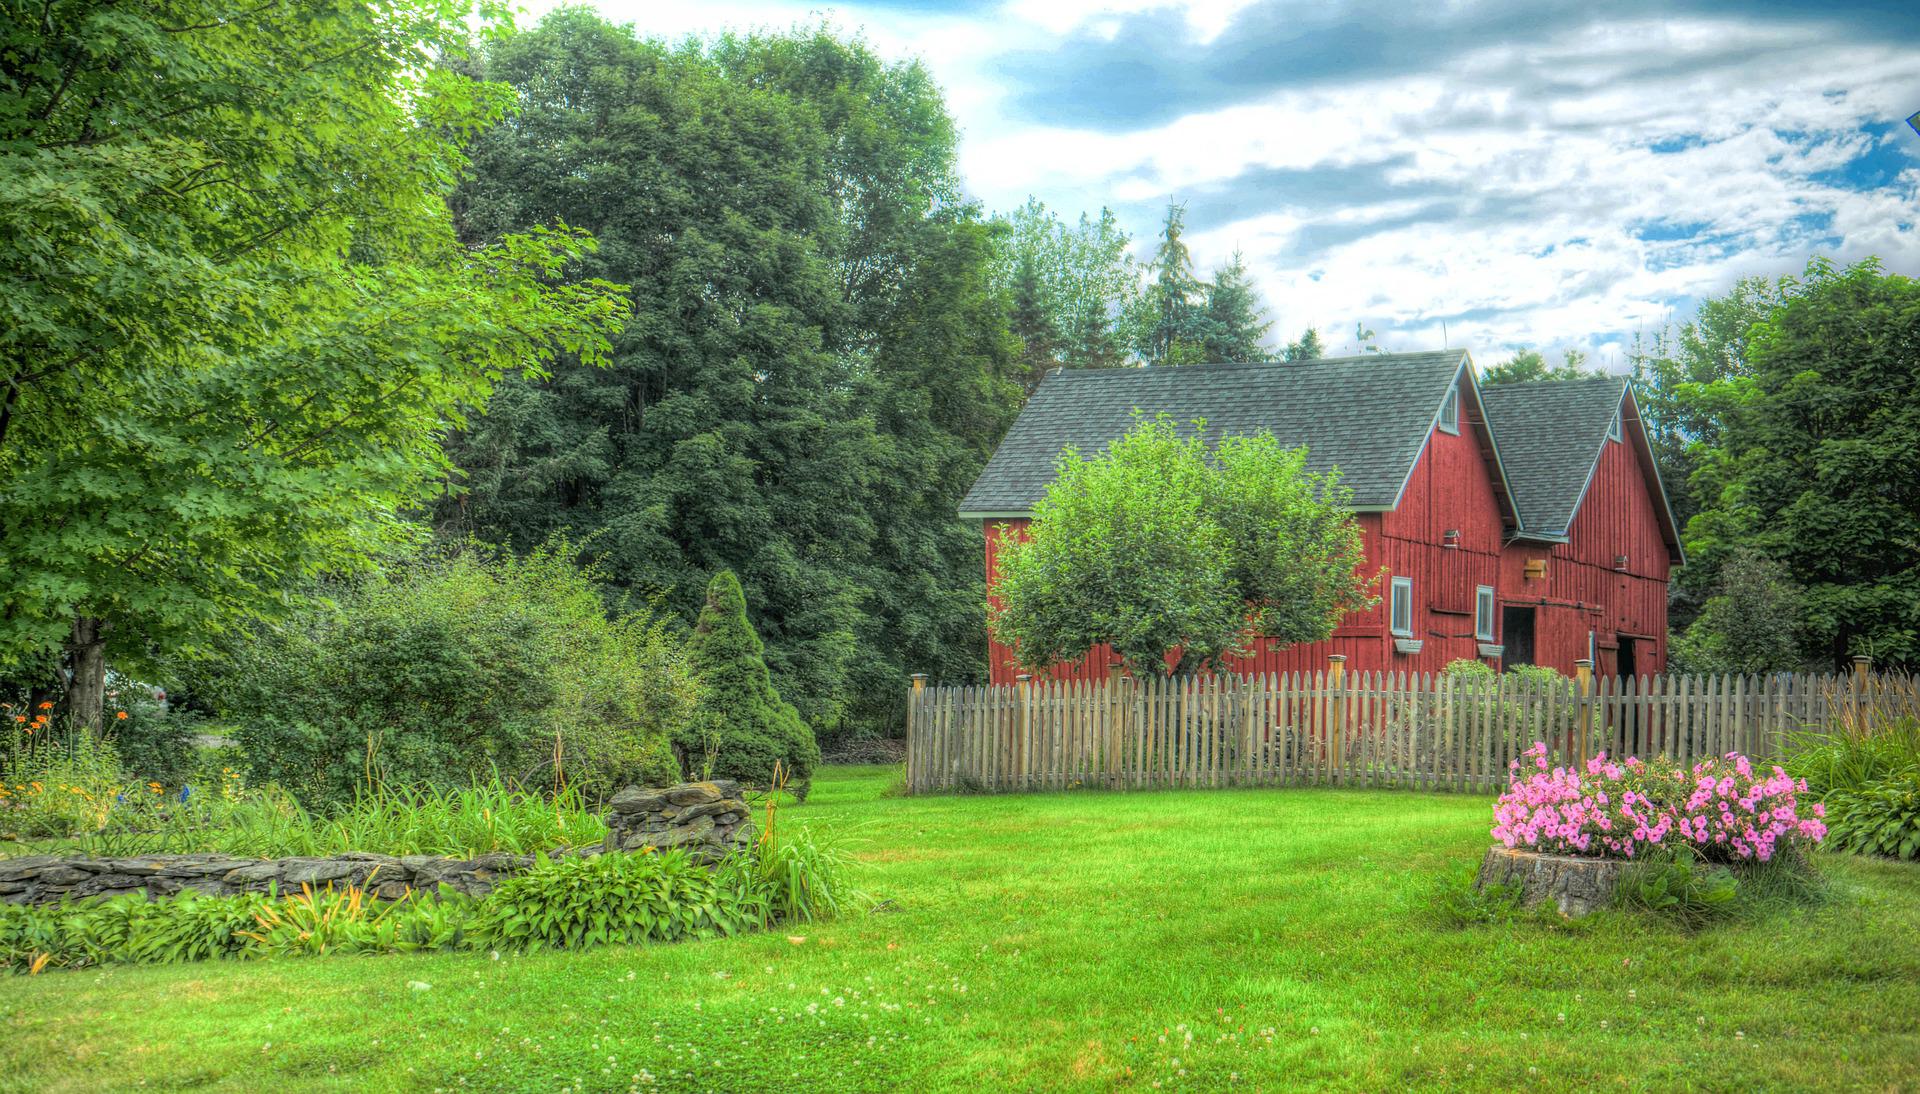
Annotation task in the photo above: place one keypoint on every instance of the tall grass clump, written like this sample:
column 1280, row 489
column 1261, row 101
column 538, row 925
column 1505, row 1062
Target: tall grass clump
column 1865, row 767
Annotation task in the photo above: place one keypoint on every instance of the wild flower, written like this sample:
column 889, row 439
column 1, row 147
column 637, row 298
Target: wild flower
column 1721, row 807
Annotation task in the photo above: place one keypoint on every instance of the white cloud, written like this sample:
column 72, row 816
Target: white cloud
column 1530, row 172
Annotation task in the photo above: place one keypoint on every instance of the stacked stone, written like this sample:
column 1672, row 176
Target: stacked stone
column 44, row 879
column 705, row 819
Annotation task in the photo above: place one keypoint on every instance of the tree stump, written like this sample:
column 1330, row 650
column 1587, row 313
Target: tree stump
column 1572, row 884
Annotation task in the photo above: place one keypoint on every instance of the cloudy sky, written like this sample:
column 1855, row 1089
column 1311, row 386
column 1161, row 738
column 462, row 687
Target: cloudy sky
column 1503, row 173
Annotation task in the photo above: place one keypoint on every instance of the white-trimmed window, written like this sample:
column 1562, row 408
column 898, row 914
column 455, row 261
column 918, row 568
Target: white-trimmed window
column 1613, row 427
column 1401, row 607
column 1450, row 411
column 1483, row 613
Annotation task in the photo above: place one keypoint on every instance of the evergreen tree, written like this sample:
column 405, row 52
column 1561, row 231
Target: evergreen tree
column 743, row 725
column 1033, row 322
column 1236, row 319
column 1170, row 321
column 1307, row 348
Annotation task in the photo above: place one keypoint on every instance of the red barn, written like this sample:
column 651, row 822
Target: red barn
column 1456, row 526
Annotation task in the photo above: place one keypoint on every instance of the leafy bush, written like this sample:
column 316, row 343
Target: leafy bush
column 744, row 730
column 153, row 742
column 452, row 666
column 59, row 788
column 1720, row 808
column 621, row 898
column 1677, row 885
column 1880, row 818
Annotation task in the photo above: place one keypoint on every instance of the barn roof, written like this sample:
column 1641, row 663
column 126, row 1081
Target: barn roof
column 1552, row 435
column 1369, row 416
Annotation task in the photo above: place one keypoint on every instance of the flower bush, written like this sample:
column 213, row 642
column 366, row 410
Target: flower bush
column 1721, row 808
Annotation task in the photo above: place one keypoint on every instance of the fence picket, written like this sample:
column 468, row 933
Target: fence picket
column 1366, row 729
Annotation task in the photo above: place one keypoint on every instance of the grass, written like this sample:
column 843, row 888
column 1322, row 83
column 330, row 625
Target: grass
column 1196, row 940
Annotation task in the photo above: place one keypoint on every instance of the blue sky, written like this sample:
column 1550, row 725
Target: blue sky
column 1509, row 172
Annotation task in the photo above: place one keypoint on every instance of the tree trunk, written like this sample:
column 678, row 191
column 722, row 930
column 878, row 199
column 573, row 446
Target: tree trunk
column 87, row 654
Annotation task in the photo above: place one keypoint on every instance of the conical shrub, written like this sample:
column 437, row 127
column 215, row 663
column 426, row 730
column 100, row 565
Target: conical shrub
column 745, row 727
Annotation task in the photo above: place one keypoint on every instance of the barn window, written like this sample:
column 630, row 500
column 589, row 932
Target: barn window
column 1450, row 410
column 1613, row 427
column 1403, row 606
column 1483, row 613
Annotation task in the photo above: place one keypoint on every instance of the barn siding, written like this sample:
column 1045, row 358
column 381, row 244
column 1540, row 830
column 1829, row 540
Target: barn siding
column 1451, row 488
column 1582, row 591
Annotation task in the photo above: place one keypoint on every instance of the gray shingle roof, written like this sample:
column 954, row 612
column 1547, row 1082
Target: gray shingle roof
column 1551, row 433
column 1368, row 416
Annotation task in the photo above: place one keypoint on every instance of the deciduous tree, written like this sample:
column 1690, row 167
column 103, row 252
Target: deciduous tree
column 238, row 321
column 1174, row 555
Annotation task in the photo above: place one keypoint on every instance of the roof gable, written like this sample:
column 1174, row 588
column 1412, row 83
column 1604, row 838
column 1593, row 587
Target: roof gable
column 1552, row 435
column 1369, row 416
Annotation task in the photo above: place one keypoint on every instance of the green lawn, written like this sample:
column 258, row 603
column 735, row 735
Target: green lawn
column 1187, row 940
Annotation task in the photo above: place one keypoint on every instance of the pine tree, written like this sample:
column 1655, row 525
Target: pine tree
column 1307, row 348
column 744, row 723
column 1170, row 322
column 1032, row 321
column 1236, row 319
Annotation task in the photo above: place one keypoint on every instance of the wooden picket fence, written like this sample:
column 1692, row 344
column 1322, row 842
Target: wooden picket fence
column 1422, row 731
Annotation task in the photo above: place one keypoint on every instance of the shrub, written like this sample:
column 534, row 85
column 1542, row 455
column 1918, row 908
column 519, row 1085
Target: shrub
column 449, row 667
column 153, row 742
column 744, row 729
column 1880, row 818
column 1854, row 755
column 620, row 898
column 1677, row 885
column 1720, row 808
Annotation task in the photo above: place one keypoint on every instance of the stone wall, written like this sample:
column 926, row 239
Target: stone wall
column 1574, row 885
column 707, row 820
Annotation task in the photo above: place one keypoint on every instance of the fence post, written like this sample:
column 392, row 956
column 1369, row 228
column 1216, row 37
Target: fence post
column 1022, row 724
column 1583, row 674
column 913, row 714
column 1862, row 686
column 1337, row 725
column 1115, row 732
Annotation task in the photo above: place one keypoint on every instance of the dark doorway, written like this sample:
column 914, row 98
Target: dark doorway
column 1516, row 634
column 1629, row 662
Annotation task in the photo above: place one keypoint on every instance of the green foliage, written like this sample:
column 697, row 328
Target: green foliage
column 1851, row 756
column 1456, row 901
column 1750, row 624
column 1307, row 348
column 818, row 365
column 1236, row 317
column 750, row 732
column 1679, row 381
column 1879, row 818
column 1529, row 365
column 1159, row 544
column 620, row 898
column 450, row 667
column 801, row 873
column 238, row 319
column 152, row 741
column 1811, row 463
column 1169, row 319
column 1067, row 286
column 1679, row 887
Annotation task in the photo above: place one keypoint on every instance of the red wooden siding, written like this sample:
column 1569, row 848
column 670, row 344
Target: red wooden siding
column 1582, row 591
column 1451, row 489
